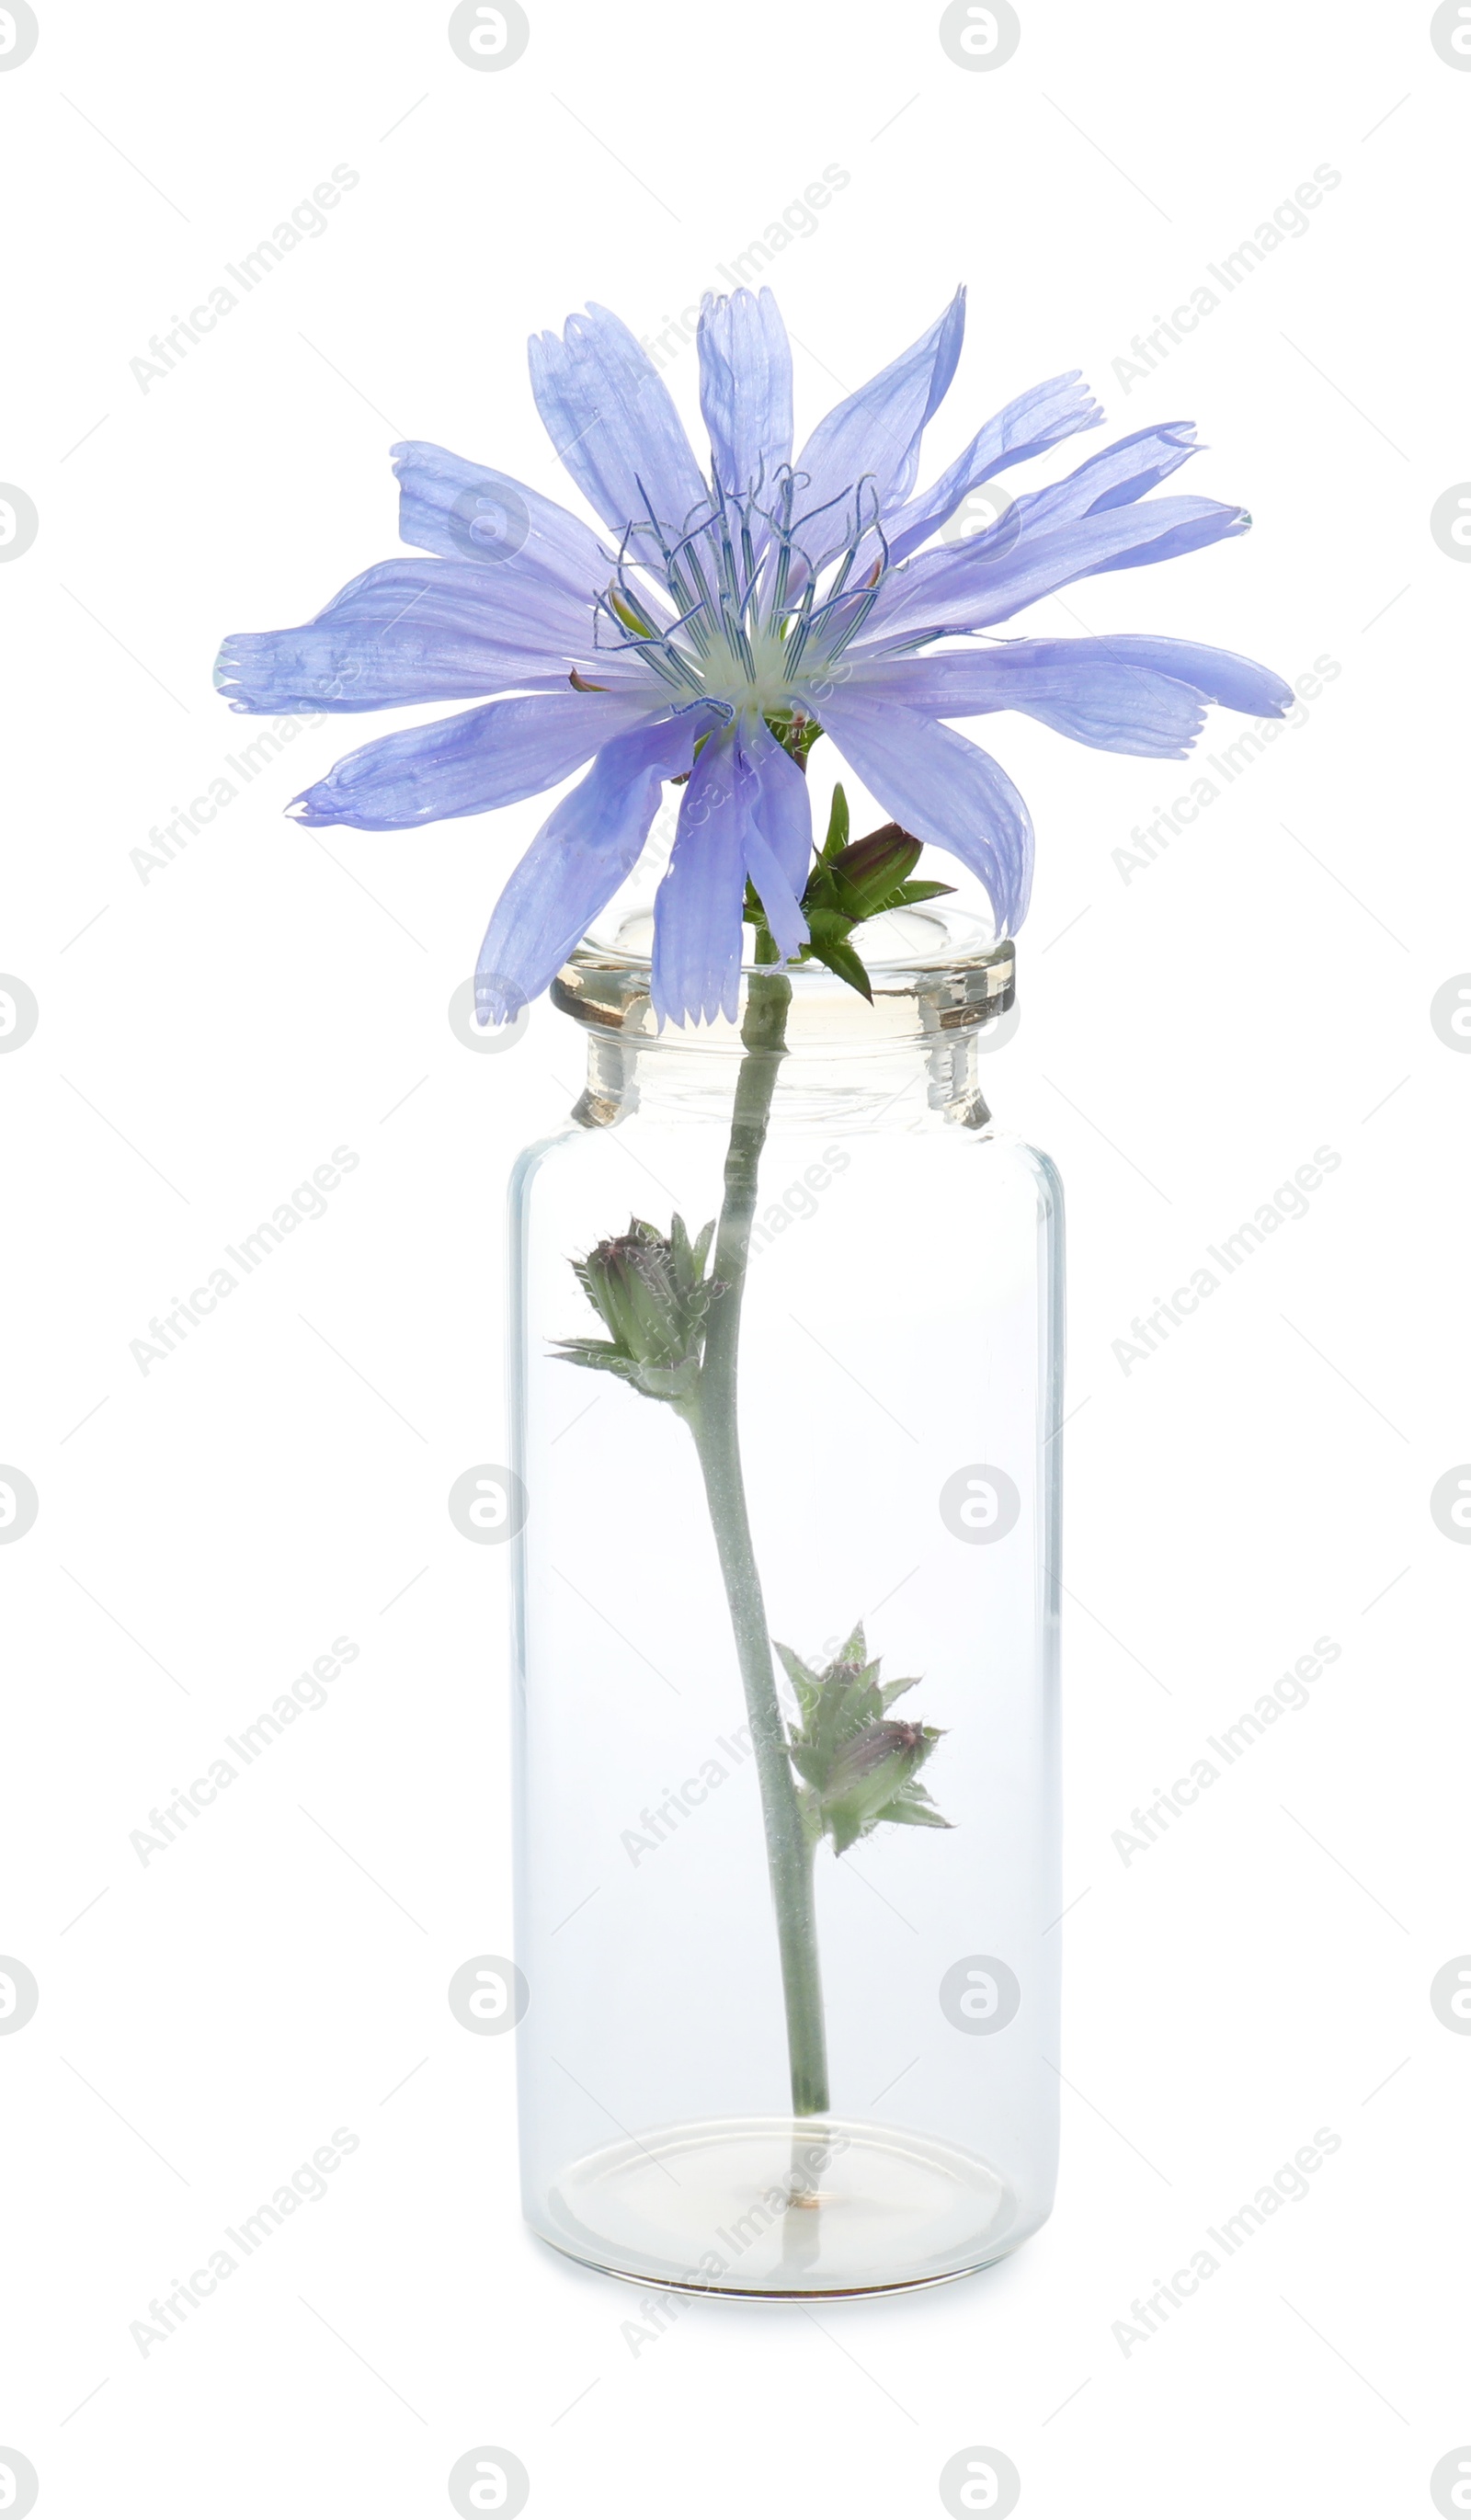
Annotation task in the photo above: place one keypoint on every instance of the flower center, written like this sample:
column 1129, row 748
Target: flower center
column 748, row 603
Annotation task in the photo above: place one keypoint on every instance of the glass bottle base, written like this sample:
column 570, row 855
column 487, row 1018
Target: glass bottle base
column 772, row 2208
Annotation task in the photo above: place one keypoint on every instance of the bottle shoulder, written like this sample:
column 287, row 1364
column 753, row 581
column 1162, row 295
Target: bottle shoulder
column 640, row 1132
column 535, row 1158
column 1036, row 1161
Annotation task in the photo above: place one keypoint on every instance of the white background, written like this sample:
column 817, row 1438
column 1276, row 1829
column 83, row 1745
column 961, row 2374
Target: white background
column 1188, row 1037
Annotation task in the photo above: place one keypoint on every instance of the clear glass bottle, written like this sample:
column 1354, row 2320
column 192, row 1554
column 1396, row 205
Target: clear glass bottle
column 774, row 2044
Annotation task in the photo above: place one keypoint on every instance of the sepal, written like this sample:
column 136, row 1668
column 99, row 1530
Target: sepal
column 858, row 1766
column 651, row 1290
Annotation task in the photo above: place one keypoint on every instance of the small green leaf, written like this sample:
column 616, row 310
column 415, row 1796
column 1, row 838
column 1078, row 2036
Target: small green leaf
column 838, row 825
column 841, row 960
column 914, row 1810
column 811, row 1764
column 596, row 1352
column 845, row 1829
column 829, row 943
column 912, row 892
column 803, row 1680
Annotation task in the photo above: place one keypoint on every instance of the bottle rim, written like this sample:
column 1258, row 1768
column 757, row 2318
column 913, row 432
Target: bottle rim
column 932, row 970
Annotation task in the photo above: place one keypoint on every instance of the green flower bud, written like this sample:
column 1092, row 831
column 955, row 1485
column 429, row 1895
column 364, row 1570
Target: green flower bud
column 650, row 1293
column 872, row 869
column 858, row 1765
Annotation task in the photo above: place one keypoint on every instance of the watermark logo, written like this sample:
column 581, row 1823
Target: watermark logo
column 20, row 1013
column 987, row 513
column 489, row 2480
column 981, row 2479
column 979, row 39
column 307, row 2184
column 171, row 840
column 1449, row 1012
column 19, row 2482
column 1148, row 1824
column 1290, row 219
column 980, row 1504
column 488, row 39
column 489, row 1995
column 309, row 1692
column 1289, row 1202
column 1450, row 35
column 1449, row 1502
column 1450, row 2476
column 1450, row 2001
column 18, row 521
column 980, row 1995
column 308, row 219
column 488, row 1037
column 1289, row 2184
column 307, row 1205
column 1450, row 516
column 685, row 1799
column 18, row 1504
column 19, row 1996
column 766, row 2210
column 1151, row 840
column 488, row 1503
column 19, row 34
column 488, row 523
column 1005, row 1029
column 799, row 1199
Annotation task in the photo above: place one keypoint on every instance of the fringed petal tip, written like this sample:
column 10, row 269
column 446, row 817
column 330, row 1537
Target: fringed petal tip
column 499, row 1001
column 721, row 1005
column 230, row 672
column 249, row 675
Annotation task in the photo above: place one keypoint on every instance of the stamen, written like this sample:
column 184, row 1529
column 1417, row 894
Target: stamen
column 740, row 635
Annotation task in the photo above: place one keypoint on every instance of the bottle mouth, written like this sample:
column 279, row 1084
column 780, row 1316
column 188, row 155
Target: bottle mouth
column 933, row 970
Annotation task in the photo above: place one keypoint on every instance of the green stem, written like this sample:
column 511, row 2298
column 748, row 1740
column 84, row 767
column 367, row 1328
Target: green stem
column 714, row 1421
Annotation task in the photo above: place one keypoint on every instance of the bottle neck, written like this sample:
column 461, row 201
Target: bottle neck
column 884, row 1085
column 910, row 1054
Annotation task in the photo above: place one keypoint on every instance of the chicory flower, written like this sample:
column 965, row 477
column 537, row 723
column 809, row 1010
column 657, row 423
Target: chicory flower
column 722, row 620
